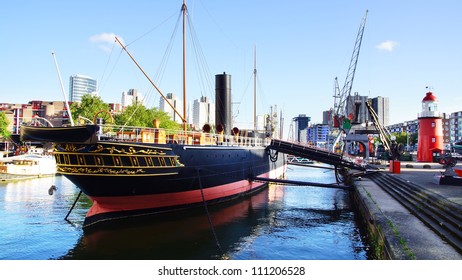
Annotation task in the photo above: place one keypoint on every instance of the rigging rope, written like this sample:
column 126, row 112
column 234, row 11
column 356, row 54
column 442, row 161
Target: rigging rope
column 243, row 94
column 201, row 65
column 152, row 29
column 107, row 65
column 208, row 214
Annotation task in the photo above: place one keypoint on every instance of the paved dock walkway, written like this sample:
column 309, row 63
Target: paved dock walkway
column 405, row 236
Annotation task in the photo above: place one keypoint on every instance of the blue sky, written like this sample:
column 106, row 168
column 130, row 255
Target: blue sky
column 301, row 47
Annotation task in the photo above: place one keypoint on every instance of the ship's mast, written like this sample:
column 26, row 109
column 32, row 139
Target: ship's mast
column 184, row 10
column 255, row 89
column 183, row 117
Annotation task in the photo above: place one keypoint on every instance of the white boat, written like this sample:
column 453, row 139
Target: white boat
column 27, row 166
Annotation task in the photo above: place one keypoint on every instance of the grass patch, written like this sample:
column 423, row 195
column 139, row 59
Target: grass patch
column 401, row 240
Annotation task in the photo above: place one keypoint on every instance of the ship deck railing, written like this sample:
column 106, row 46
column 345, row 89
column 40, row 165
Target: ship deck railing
column 164, row 136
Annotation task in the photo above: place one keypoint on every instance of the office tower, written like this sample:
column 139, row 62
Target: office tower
column 80, row 85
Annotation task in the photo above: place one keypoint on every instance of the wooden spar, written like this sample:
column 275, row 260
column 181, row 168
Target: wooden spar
column 62, row 89
column 149, row 79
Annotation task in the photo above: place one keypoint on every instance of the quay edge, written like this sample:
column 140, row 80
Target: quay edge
column 394, row 232
column 385, row 244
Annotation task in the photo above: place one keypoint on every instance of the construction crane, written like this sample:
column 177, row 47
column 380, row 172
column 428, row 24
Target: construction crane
column 340, row 96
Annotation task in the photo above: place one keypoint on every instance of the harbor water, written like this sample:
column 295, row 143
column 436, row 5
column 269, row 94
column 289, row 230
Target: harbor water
column 278, row 223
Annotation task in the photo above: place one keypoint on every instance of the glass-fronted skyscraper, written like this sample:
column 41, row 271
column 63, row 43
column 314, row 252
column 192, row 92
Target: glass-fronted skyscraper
column 80, row 85
column 301, row 128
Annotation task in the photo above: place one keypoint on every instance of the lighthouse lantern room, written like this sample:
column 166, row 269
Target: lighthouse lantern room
column 430, row 140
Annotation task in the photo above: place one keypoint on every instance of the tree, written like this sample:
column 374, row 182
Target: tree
column 139, row 115
column 401, row 137
column 4, row 133
column 413, row 138
column 164, row 118
column 90, row 107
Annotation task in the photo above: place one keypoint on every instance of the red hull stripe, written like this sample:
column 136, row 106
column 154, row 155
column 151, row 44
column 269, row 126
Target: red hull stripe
column 127, row 203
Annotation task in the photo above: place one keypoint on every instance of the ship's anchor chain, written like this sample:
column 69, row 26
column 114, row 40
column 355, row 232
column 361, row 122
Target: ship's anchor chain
column 209, row 218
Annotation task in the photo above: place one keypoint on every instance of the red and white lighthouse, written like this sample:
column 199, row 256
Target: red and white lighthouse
column 430, row 141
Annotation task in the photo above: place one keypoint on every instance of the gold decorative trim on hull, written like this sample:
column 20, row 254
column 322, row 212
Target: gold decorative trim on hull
column 130, row 151
column 102, row 170
column 103, row 159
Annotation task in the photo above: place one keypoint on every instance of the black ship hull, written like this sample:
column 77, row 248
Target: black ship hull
column 125, row 179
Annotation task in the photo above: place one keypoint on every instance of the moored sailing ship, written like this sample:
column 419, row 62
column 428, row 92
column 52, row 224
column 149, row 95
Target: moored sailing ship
column 133, row 171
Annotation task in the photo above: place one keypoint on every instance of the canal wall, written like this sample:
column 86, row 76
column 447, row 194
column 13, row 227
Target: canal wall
column 396, row 226
column 383, row 237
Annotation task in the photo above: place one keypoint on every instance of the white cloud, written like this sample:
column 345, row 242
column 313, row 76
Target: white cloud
column 105, row 40
column 388, row 46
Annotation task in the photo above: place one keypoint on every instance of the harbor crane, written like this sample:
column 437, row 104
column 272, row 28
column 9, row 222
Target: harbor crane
column 340, row 96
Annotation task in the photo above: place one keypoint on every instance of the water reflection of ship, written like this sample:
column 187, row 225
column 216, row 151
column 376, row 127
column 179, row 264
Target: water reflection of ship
column 189, row 235
column 176, row 235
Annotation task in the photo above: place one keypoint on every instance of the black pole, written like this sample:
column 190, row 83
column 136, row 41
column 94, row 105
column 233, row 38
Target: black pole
column 73, row 205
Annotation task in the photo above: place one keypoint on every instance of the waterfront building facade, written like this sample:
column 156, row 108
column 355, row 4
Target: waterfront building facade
column 455, row 131
column 80, row 85
column 301, row 128
column 381, row 106
column 318, row 135
column 446, row 129
column 176, row 103
column 46, row 113
column 352, row 102
column 203, row 112
column 131, row 97
column 327, row 117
